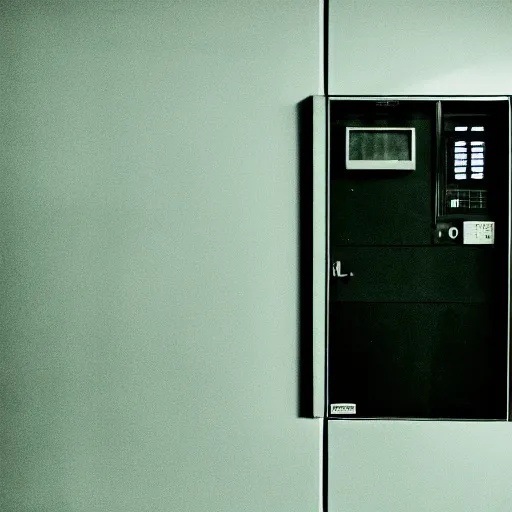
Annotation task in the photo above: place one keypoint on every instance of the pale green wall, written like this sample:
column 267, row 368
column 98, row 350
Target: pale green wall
column 420, row 47
column 148, row 256
column 420, row 466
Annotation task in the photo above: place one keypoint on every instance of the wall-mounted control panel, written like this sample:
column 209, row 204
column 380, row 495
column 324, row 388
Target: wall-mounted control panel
column 411, row 263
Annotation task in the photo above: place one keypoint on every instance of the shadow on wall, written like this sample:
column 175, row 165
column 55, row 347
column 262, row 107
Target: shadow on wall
column 305, row 278
column 486, row 78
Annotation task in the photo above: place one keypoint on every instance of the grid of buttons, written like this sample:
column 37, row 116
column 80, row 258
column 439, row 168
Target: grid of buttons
column 469, row 156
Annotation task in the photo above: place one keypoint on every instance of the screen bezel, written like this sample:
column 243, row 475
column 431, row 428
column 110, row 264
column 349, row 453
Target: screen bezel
column 405, row 165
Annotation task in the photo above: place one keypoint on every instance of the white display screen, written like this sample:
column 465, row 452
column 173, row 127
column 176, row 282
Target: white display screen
column 380, row 148
column 380, row 145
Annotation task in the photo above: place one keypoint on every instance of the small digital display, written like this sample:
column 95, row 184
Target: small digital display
column 392, row 148
column 380, row 145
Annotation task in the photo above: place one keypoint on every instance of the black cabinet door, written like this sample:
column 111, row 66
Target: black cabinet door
column 416, row 329
column 417, row 360
column 382, row 207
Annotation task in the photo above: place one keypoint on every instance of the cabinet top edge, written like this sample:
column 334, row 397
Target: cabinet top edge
column 419, row 98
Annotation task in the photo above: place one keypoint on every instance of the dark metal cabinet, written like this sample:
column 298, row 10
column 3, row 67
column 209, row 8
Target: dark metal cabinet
column 416, row 268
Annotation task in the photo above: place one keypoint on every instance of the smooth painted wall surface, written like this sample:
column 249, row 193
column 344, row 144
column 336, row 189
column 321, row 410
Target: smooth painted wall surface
column 148, row 256
column 420, row 47
column 418, row 466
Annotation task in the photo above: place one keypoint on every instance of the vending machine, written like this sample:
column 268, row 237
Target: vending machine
column 411, row 257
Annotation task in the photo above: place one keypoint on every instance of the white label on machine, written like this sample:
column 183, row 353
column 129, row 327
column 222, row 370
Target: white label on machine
column 343, row 408
column 478, row 233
